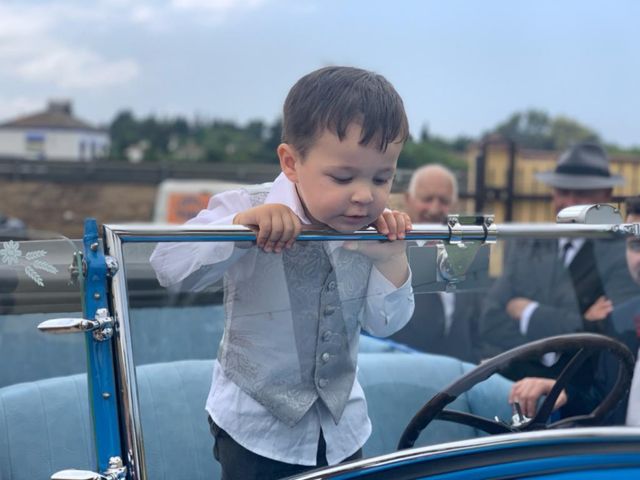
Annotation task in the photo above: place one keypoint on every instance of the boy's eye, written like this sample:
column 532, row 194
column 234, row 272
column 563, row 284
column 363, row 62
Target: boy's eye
column 341, row 180
column 381, row 181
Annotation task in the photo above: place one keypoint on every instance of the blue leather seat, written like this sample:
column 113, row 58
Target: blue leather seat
column 42, row 428
column 27, row 354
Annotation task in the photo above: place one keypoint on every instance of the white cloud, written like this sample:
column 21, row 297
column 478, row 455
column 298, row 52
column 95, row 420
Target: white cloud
column 219, row 6
column 20, row 25
column 213, row 11
column 77, row 68
column 30, row 49
column 39, row 40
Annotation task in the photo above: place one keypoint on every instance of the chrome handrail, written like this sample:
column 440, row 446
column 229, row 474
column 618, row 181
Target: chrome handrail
column 421, row 231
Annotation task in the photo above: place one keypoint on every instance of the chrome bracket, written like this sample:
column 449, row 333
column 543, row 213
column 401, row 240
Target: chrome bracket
column 456, row 255
column 454, row 261
column 491, row 229
column 455, row 229
column 112, row 265
column 115, row 471
column 632, row 229
column 77, row 267
column 599, row 213
column 101, row 326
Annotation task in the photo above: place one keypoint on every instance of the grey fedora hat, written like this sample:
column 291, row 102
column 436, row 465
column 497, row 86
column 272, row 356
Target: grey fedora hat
column 584, row 166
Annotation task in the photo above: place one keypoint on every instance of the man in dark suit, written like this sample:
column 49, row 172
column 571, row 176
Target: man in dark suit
column 443, row 322
column 579, row 399
column 555, row 286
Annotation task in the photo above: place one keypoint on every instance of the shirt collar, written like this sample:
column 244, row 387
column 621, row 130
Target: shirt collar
column 576, row 243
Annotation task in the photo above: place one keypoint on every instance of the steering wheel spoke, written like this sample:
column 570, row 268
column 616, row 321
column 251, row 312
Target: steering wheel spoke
column 571, row 368
column 493, row 427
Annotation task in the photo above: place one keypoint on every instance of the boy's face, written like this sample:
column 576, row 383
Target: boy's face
column 633, row 251
column 342, row 184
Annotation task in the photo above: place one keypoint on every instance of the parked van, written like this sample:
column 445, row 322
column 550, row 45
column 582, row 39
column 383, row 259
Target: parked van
column 179, row 200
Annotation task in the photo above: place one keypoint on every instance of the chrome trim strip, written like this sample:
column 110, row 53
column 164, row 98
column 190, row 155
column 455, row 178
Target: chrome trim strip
column 540, row 436
column 133, row 448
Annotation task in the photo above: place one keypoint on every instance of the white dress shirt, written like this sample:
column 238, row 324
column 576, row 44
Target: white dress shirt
column 633, row 406
column 575, row 244
column 387, row 309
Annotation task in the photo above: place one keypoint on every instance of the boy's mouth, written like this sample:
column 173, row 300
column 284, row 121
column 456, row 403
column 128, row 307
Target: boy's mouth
column 356, row 222
column 356, row 218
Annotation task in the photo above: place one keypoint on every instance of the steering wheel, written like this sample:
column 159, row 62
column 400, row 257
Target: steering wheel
column 584, row 344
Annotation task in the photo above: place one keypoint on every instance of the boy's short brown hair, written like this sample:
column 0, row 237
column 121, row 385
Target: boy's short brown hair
column 332, row 98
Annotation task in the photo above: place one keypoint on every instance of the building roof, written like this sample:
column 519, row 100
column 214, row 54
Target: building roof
column 58, row 115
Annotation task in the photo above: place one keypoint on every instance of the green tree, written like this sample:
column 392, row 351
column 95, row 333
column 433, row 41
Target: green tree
column 536, row 129
column 414, row 154
column 123, row 132
column 566, row 132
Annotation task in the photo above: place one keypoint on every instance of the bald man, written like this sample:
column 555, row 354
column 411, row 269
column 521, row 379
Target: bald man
column 432, row 193
column 443, row 322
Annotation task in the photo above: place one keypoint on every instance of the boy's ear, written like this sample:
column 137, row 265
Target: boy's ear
column 289, row 160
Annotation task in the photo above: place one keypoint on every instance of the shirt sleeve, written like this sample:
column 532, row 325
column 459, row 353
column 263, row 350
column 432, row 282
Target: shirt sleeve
column 174, row 262
column 388, row 308
column 525, row 318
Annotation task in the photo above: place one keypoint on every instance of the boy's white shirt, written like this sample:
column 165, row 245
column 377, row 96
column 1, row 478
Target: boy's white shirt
column 243, row 418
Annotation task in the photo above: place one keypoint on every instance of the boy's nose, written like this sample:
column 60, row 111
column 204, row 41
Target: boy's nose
column 362, row 195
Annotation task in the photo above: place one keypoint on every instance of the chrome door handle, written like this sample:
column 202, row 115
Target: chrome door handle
column 102, row 326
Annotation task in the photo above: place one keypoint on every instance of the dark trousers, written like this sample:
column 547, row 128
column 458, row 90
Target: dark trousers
column 238, row 463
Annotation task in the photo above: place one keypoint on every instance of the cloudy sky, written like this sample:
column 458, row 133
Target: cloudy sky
column 461, row 65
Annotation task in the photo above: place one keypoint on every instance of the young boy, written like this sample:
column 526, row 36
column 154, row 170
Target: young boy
column 284, row 396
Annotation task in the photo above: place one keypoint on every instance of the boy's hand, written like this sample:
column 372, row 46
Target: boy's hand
column 276, row 226
column 393, row 223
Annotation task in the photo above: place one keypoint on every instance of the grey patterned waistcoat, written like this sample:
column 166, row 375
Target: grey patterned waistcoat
column 287, row 365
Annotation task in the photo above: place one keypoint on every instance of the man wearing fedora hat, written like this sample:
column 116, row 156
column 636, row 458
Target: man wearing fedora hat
column 625, row 323
column 556, row 286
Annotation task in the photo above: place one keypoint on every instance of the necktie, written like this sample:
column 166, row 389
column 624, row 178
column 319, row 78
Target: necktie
column 565, row 253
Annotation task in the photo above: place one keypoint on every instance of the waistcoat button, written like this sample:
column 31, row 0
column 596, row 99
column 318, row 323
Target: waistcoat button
column 328, row 310
column 323, row 382
column 326, row 336
column 331, row 286
column 325, row 357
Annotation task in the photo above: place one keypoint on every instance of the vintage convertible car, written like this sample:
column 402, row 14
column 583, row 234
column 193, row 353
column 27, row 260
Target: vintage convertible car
column 125, row 399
